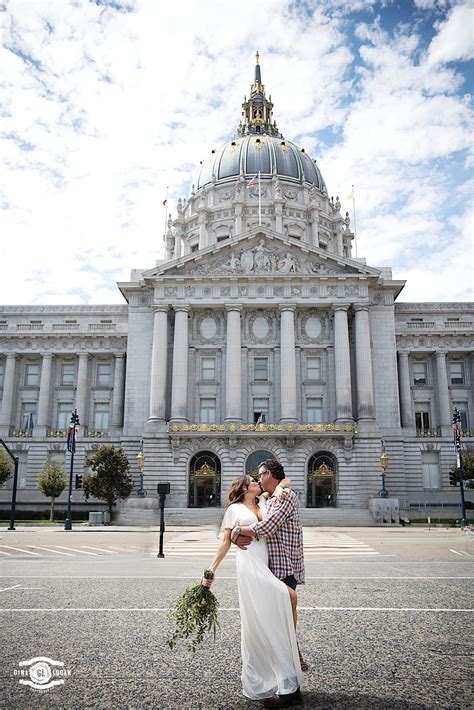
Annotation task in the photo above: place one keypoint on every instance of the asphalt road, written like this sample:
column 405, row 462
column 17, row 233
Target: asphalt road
column 385, row 619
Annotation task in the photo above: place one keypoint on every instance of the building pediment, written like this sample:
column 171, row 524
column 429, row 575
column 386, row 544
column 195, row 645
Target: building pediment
column 262, row 254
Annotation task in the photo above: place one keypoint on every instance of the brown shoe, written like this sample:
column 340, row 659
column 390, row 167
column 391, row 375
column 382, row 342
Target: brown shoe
column 284, row 701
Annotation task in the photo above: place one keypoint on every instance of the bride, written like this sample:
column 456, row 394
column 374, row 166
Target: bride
column 270, row 659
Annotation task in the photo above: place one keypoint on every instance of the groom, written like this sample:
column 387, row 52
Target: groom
column 282, row 530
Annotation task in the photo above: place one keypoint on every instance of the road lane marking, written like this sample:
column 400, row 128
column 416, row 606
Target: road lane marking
column 8, row 588
column 300, row 608
column 5, row 553
column 19, row 549
column 100, row 549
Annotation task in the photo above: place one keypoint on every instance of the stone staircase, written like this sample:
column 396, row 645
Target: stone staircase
column 146, row 511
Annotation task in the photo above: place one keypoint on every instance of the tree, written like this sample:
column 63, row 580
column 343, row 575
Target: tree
column 52, row 482
column 467, row 469
column 6, row 466
column 110, row 480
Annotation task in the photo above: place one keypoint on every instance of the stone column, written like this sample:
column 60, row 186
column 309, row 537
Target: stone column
column 81, row 391
column 445, row 418
column 8, row 391
column 365, row 386
column 278, row 203
column 44, row 393
column 288, row 364
column 315, row 226
column 179, row 388
column 119, row 390
column 233, row 366
column 238, row 218
column 203, row 235
column 159, row 361
column 342, row 362
column 405, row 390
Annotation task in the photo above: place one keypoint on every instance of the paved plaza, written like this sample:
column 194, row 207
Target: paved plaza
column 385, row 619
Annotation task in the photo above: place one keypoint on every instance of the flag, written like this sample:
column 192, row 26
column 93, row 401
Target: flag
column 350, row 196
column 252, row 182
column 165, row 202
column 71, row 438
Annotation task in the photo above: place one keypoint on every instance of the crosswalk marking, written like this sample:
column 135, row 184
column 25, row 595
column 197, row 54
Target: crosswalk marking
column 316, row 544
column 19, row 549
column 47, row 549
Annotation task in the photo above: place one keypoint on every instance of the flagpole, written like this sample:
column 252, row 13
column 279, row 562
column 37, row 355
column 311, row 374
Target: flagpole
column 166, row 212
column 354, row 219
column 259, row 202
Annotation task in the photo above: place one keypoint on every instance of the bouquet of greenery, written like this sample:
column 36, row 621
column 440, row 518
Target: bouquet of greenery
column 195, row 614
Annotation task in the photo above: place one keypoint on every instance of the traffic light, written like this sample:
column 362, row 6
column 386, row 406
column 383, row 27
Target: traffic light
column 453, row 478
column 78, row 480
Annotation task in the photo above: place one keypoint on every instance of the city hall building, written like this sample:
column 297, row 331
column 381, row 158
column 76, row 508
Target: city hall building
column 260, row 335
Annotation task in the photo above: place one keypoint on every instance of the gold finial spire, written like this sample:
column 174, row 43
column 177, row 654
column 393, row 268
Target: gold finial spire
column 257, row 56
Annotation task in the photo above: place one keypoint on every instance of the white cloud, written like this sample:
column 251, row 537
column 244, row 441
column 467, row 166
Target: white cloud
column 455, row 38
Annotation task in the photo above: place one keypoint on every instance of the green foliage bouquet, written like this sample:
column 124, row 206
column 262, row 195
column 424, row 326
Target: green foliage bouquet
column 195, row 614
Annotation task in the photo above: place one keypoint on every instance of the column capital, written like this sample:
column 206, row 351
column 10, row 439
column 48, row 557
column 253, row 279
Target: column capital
column 233, row 307
column 48, row 355
column 287, row 307
column 403, row 353
column 178, row 307
column 84, row 356
column 441, row 354
column 340, row 307
column 119, row 355
column 160, row 308
column 358, row 307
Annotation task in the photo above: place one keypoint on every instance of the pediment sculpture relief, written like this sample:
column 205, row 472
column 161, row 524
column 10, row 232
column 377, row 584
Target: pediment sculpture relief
column 265, row 260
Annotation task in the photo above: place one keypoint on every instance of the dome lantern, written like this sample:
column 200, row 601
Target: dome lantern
column 257, row 111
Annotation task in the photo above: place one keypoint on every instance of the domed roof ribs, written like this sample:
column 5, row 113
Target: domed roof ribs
column 257, row 114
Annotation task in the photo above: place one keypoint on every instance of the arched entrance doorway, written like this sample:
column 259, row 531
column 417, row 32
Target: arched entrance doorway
column 255, row 459
column 321, row 487
column 204, row 480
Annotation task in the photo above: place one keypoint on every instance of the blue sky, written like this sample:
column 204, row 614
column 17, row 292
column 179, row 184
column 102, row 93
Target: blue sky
column 105, row 103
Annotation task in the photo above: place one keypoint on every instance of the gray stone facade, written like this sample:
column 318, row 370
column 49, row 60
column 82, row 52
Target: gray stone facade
column 258, row 333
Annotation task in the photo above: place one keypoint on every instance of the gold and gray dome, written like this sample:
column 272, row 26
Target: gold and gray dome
column 259, row 147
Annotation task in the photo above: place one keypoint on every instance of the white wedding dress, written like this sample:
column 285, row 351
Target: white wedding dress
column 270, row 660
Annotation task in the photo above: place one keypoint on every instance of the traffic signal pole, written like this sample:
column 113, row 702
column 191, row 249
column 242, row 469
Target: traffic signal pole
column 458, row 451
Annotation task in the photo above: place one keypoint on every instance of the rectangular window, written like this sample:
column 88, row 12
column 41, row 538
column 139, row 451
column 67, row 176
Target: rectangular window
column 422, row 416
column 208, row 410
column 194, row 247
column 431, row 472
column 208, row 369
column 260, row 368
column 32, row 375
column 456, row 373
column 104, row 374
column 68, row 373
column 313, row 368
column 28, row 415
column 314, row 410
column 222, row 238
column 101, row 416
column 462, row 409
column 419, row 373
column 64, row 415
column 2, row 370
column 261, row 406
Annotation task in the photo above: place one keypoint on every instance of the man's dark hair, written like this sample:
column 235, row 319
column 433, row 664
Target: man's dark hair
column 275, row 468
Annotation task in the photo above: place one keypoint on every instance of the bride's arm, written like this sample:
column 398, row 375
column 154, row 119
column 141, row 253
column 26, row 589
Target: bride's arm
column 221, row 552
column 285, row 483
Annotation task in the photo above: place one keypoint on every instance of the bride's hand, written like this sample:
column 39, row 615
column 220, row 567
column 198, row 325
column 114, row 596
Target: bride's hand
column 205, row 581
column 285, row 483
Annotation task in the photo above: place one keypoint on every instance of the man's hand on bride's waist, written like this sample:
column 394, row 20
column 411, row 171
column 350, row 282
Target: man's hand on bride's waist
column 242, row 536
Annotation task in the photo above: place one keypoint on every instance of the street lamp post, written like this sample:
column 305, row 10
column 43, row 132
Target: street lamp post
column 163, row 489
column 141, row 465
column 458, row 451
column 71, row 447
column 15, row 460
column 383, row 493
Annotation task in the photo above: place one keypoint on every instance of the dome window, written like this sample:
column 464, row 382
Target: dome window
column 283, row 143
column 213, row 150
column 302, row 150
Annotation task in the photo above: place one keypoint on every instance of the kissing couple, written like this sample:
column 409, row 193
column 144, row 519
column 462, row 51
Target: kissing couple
column 263, row 520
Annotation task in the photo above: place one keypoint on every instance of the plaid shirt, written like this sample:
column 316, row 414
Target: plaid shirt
column 282, row 528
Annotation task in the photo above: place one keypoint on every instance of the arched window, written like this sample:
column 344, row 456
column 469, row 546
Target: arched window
column 321, row 486
column 204, row 480
column 255, row 459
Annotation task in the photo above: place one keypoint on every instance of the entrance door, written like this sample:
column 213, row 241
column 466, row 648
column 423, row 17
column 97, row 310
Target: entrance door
column 204, row 481
column 321, row 487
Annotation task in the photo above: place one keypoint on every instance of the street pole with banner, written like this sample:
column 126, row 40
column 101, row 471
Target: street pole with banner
column 71, row 447
column 458, row 452
column 15, row 460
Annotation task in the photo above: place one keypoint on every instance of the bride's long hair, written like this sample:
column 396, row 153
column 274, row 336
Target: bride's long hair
column 237, row 490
